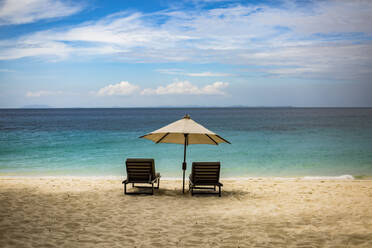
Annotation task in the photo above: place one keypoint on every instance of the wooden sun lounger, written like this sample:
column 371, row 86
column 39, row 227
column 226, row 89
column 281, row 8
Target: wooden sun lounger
column 141, row 171
column 205, row 174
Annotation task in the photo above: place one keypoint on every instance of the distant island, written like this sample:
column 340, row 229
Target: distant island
column 42, row 106
column 36, row 106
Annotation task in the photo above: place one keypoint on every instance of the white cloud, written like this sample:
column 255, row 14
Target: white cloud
column 43, row 93
column 6, row 70
column 171, row 71
column 187, row 88
column 192, row 74
column 30, row 48
column 208, row 74
column 121, row 89
column 27, row 11
column 214, row 89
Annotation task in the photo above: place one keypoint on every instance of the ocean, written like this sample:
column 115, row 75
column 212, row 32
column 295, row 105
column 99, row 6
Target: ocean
column 265, row 142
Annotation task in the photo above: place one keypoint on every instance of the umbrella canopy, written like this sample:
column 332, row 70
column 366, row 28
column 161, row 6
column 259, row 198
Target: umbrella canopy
column 186, row 132
column 175, row 133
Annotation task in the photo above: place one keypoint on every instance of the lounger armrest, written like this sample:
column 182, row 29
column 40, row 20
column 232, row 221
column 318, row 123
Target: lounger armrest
column 157, row 176
column 190, row 179
column 154, row 180
column 125, row 181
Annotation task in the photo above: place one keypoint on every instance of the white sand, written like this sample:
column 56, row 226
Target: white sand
column 73, row 212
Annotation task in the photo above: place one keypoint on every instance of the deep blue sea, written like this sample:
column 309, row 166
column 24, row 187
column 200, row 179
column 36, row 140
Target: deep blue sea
column 274, row 142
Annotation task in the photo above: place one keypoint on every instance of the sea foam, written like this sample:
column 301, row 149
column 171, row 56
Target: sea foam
column 343, row 177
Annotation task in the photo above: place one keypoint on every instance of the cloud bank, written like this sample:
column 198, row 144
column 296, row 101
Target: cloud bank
column 178, row 88
column 186, row 88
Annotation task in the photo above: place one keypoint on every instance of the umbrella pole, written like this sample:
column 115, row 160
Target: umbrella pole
column 184, row 164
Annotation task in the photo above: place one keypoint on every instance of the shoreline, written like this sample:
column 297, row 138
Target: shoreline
column 113, row 177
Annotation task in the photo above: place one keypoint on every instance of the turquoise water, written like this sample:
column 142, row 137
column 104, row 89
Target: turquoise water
column 281, row 142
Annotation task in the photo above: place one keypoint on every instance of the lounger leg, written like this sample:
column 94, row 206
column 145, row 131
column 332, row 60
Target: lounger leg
column 125, row 188
column 219, row 191
column 152, row 192
column 158, row 183
column 214, row 187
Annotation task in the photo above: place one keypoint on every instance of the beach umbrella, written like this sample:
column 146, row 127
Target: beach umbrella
column 185, row 132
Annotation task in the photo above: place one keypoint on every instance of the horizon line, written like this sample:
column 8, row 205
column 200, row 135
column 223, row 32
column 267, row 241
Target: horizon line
column 190, row 107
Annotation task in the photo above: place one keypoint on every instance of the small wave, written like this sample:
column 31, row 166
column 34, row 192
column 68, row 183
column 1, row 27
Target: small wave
column 343, row 177
column 349, row 177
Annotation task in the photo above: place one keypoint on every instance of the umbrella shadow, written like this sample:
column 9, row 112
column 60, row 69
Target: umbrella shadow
column 207, row 194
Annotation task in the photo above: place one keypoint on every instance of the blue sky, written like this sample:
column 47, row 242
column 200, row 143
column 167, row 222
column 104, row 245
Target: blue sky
column 180, row 53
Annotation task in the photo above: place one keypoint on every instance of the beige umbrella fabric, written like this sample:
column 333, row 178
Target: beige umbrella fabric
column 186, row 132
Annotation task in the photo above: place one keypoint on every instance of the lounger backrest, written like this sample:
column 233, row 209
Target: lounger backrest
column 205, row 172
column 139, row 169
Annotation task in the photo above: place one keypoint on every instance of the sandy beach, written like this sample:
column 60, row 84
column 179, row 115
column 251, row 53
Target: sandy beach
column 261, row 212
